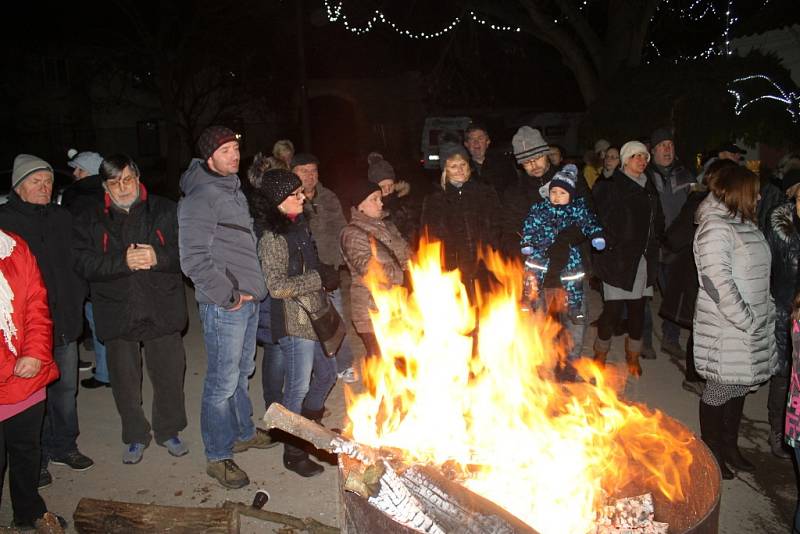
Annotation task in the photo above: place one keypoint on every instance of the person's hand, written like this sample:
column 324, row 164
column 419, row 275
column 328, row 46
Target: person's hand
column 140, row 257
column 148, row 255
column 329, row 276
column 243, row 297
column 27, row 367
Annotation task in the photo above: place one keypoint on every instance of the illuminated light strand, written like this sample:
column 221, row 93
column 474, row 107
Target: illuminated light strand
column 789, row 98
column 335, row 14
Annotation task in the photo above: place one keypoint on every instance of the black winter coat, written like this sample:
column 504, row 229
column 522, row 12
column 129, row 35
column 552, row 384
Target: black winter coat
column 83, row 195
column 634, row 224
column 132, row 305
column 783, row 236
column 464, row 220
column 680, row 295
column 48, row 232
column 497, row 170
column 517, row 201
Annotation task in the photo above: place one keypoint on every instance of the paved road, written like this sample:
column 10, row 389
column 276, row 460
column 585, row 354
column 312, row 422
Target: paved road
column 758, row 504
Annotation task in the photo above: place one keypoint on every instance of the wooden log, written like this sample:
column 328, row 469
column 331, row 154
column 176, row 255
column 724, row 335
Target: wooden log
column 100, row 516
column 306, row 524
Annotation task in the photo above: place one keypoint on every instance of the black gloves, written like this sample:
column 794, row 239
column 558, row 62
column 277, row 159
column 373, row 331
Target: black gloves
column 329, row 276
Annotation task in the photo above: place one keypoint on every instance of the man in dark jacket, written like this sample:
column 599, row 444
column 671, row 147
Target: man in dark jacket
column 127, row 248
column 218, row 253
column 81, row 195
column 491, row 168
column 48, row 230
column 673, row 182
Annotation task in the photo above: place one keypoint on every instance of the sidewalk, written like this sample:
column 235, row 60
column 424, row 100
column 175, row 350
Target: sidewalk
column 757, row 504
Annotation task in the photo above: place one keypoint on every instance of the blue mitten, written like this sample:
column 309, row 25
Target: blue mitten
column 599, row 243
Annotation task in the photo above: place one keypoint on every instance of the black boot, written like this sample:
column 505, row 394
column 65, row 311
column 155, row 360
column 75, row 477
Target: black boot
column 776, row 414
column 731, row 419
column 711, row 433
column 297, row 460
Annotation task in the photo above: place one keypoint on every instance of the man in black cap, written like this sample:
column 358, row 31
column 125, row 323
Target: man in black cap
column 673, row 182
column 218, row 253
column 48, row 230
column 731, row 151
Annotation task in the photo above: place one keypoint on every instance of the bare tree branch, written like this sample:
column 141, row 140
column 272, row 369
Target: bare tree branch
column 584, row 30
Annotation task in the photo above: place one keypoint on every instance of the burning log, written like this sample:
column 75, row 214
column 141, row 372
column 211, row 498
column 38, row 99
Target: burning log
column 411, row 496
column 631, row 515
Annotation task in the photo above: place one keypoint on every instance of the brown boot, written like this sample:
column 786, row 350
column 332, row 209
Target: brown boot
column 601, row 348
column 633, row 349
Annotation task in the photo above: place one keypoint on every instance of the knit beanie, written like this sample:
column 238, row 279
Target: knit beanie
column 528, row 143
column 87, row 161
column 566, row 179
column 659, row 135
column 277, row 185
column 379, row 168
column 631, row 148
column 448, row 150
column 25, row 165
column 212, row 138
column 303, row 158
column 361, row 190
column 601, row 145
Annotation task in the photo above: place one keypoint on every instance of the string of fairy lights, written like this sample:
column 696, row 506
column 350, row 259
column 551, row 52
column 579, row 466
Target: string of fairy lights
column 697, row 11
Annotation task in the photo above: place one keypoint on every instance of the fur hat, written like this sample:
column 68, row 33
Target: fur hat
column 566, row 179
column 25, row 165
column 87, row 161
column 631, row 148
column 361, row 190
column 303, row 158
column 528, row 143
column 379, row 168
column 660, row 135
column 277, row 185
column 448, row 150
column 212, row 138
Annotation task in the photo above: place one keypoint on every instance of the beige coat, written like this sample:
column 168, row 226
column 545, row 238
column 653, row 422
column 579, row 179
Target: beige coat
column 357, row 252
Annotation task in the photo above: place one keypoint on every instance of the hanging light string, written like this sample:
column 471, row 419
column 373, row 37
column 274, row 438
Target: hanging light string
column 775, row 92
column 335, row 14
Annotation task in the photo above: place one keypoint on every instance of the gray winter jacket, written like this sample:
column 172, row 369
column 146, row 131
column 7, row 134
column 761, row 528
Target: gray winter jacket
column 216, row 239
column 735, row 313
column 326, row 220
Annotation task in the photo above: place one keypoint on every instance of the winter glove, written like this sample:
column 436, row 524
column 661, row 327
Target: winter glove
column 329, row 276
column 526, row 251
column 599, row 243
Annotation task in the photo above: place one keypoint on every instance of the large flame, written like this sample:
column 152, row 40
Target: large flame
column 486, row 401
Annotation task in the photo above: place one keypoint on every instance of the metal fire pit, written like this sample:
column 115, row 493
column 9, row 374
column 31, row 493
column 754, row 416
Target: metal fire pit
column 698, row 514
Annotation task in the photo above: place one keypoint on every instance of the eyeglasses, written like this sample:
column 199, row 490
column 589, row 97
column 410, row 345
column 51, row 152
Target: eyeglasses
column 118, row 182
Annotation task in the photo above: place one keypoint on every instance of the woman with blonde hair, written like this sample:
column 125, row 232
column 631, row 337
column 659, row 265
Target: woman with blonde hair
column 734, row 345
column 283, row 152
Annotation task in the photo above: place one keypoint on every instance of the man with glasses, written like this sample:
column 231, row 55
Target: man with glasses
column 218, row 253
column 127, row 249
column 47, row 228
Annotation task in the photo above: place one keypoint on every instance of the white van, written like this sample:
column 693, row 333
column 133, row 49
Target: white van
column 432, row 131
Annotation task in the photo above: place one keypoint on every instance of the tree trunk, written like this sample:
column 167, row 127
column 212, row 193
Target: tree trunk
column 98, row 516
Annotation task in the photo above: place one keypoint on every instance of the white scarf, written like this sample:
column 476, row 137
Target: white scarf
column 7, row 245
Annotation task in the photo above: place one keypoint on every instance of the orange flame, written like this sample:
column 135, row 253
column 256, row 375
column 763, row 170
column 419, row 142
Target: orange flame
column 485, row 399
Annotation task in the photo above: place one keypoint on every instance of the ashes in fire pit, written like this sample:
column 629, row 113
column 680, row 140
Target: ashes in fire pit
column 631, row 515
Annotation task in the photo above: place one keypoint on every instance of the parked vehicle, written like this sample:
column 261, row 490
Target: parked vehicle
column 432, row 132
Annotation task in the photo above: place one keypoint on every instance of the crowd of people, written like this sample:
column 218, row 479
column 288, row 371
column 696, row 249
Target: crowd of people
column 269, row 256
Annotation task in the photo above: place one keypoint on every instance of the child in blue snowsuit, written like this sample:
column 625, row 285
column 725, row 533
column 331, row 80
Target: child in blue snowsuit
column 560, row 213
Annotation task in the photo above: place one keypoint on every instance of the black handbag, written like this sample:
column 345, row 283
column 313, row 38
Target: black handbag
column 327, row 325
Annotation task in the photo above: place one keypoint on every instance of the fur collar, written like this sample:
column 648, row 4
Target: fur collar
column 784, row 222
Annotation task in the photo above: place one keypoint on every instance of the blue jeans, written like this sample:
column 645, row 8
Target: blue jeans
column 308, row 374
column 272, row 369
column 225, row 409
column 100, row 365
column 344, row 358
column 60, row 430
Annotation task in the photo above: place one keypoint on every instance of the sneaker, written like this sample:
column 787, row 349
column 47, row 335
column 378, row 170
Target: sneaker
column 175, row 446
column 260, row 440
column 93, row 383
column 133, row 453
column 84, row 365
column 45, row 478
column 74, row 460
column 673, row 349
column 227, row 473
column 348, row 376
column 24, row 525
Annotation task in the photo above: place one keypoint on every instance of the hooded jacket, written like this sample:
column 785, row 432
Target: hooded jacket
column 217, row 242
column 133, row 305
column 735, row 314
column 48, row 231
